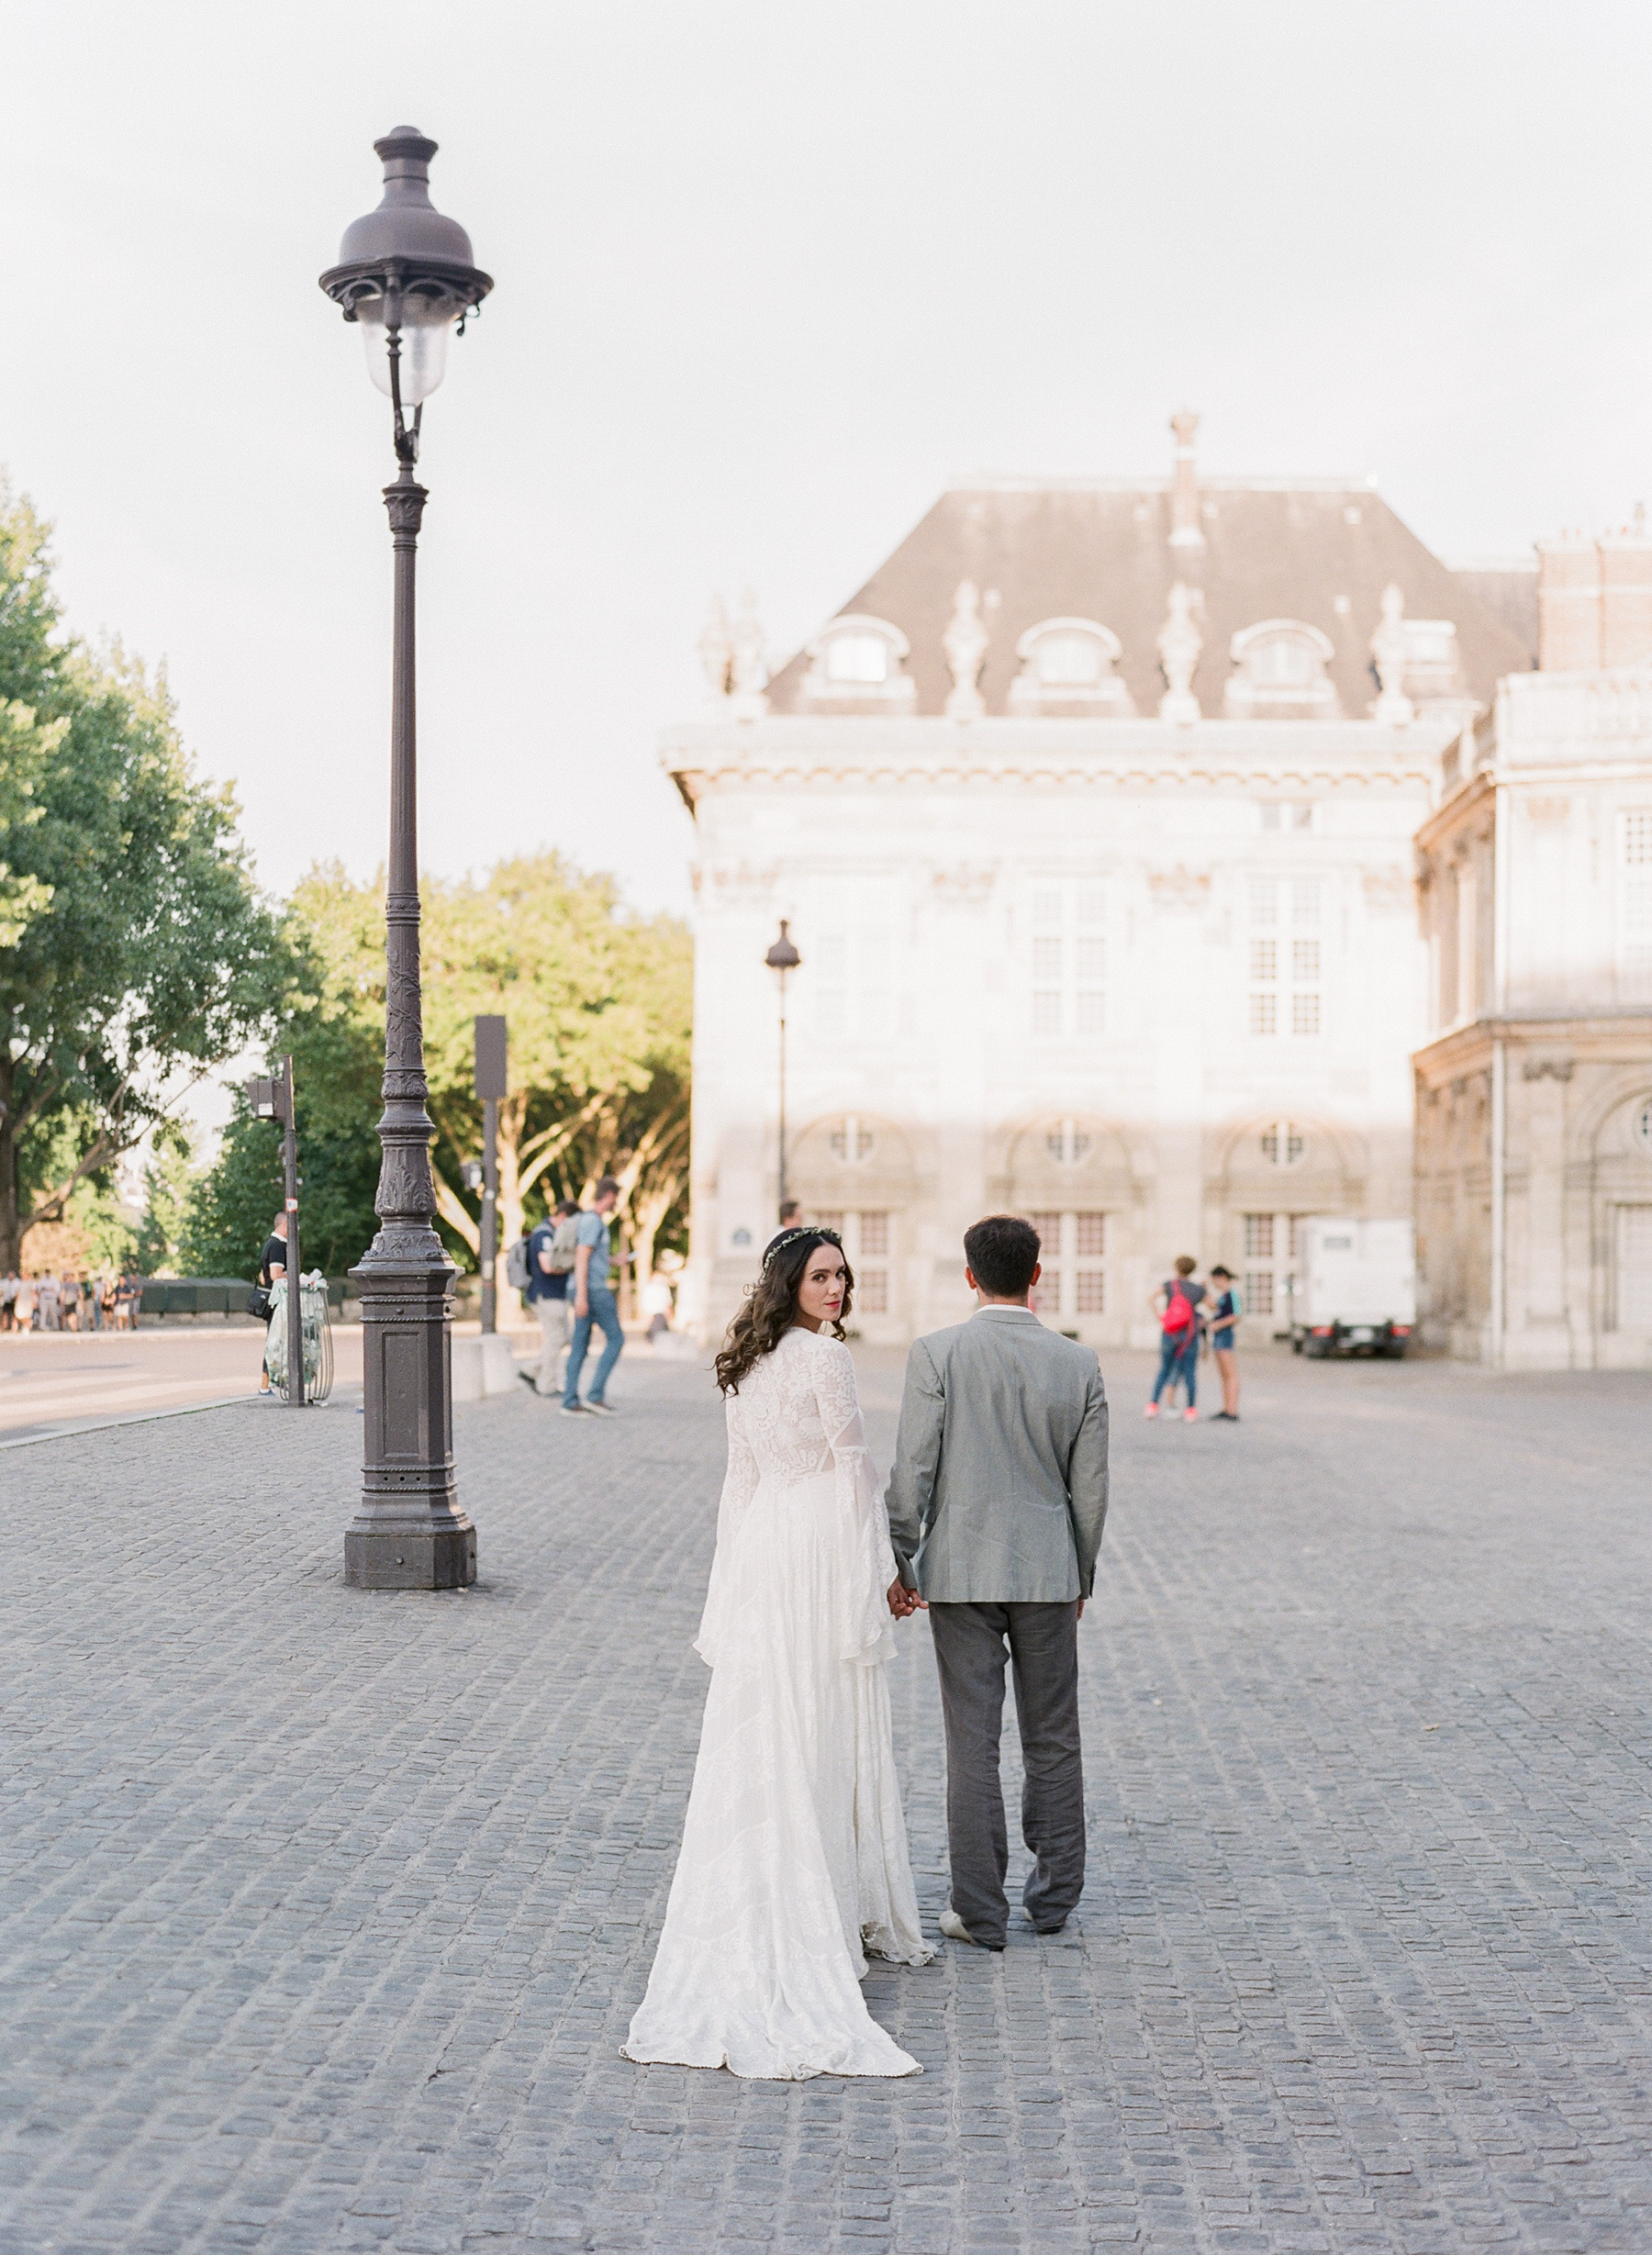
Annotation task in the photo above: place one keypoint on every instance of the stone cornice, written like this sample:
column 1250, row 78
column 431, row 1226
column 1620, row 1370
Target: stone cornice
column 1466, row 1046
column 883, row 754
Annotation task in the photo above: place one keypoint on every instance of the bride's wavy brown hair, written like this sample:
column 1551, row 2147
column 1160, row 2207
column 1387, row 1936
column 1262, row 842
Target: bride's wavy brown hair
column 770, row 1308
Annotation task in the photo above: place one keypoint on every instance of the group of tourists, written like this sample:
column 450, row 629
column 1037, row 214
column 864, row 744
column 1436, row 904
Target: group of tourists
column 70, row 1303
column 1191, row 1315
column 569, row 1265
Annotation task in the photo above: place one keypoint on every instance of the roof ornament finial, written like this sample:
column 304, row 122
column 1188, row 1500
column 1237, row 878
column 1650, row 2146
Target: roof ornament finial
column 1186, row 530
column 964, row 644
column 1393, row 708
column 717, row 653
column 748, row 664
column 1180, row 643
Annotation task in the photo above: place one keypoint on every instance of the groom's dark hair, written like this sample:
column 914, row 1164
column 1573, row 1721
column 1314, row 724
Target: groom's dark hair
column 1003, row 1253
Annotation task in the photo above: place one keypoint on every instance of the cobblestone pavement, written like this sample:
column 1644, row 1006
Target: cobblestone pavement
column 324, row 1914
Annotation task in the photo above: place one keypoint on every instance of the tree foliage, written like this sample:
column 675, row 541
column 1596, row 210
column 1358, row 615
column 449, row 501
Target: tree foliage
column 135, row 954
column 596, row 1002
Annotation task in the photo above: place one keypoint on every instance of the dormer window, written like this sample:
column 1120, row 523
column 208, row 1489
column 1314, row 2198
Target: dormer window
column 1280, row 673
column 859, row 662
column 1431, row 659
column 857, row 658
column 1068, row 667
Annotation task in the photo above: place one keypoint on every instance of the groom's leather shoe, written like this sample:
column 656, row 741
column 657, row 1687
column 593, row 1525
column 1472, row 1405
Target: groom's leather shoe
column 953, row 1926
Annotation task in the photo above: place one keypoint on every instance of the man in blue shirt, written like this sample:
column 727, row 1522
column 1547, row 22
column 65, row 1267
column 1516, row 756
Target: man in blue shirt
column 593, row 1303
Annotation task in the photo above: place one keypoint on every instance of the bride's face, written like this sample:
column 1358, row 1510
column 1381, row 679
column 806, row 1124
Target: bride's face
column 821, row 1291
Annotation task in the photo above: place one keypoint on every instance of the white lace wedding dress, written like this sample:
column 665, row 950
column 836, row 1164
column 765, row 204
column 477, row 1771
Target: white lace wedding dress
column 794, row 1861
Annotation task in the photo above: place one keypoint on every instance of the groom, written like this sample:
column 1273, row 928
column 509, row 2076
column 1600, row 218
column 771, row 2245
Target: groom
column 995, row 1503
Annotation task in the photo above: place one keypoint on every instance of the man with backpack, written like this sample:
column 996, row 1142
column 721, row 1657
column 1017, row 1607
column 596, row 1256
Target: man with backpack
column 549, row 1251
column 1176, row 1304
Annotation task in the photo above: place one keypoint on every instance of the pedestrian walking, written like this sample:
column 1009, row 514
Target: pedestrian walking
column 1176, row 1304
column 1225, row 1312
column 552, row 1248
column 128, row 1298
column 791, row 1214
column 91, row 1302
column 47, row 1302
column 25, row 1309
column 72, row 1303
column 8, row 1299
column 594, row 1303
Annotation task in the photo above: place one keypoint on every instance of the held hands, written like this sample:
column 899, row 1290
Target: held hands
column 904, row 1602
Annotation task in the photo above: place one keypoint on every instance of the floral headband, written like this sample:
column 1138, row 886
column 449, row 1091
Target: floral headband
column 796, row 1236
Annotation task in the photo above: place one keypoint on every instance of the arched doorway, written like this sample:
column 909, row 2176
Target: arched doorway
column 1268, row 1176
column 854, row 1172
column 1071, row 1176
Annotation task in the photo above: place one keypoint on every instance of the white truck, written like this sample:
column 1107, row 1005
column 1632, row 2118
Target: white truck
column 1355, row 1291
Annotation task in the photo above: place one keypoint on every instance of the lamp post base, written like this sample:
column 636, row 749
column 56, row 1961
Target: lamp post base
column 409, row 1531
column 382, row 1561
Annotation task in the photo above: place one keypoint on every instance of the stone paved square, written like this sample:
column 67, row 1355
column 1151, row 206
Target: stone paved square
column 324, row 1912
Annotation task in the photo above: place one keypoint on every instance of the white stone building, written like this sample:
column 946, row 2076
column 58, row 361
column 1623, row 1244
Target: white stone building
column 1534, row 1094
column 1092, row 816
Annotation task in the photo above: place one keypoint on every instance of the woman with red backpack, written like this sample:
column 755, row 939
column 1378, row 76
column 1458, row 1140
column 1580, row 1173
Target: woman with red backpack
column 1176, row 1306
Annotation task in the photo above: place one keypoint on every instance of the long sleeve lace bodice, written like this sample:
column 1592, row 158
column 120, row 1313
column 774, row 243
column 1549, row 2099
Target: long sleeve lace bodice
column 795, row 1418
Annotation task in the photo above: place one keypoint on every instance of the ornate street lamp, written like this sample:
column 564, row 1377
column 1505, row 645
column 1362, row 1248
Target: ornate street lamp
column 781, row 958
column 404, row 278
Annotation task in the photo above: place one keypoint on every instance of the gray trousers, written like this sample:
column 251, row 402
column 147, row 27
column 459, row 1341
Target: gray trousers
column 972, row 1642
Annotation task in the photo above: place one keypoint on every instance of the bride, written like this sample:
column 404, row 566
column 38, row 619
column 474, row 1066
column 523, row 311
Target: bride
column 794, row 1863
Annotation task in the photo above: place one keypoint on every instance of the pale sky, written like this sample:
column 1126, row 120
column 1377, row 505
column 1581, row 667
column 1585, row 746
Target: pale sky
column 768, row 272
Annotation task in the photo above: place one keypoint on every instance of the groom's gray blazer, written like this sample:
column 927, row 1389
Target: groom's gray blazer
column 999, row 1489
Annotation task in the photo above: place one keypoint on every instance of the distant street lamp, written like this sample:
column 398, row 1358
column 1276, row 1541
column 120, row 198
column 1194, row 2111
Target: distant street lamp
column 405, row 277
column 781, row 958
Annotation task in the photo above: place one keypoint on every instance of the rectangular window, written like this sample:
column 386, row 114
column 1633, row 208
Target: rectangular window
column 830, row 1221
column 1264, row 903
column 1633, row 1309
column 1264, row 1014
column 1258, row 1236
column 1091, row 1235
column 1048, row 1226
column 1304, row 903
column 1304, row 1013
column 874, row 1235
column 1258, row 1291
column 1068, row 960
column 1092, row 1293
column 1635, row 908
column 1305, row 962
column 1265, row 959
column 872, row 1291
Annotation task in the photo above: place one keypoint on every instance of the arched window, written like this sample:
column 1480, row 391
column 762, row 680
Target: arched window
column 1067, row 666
column 1280, row 673
column 861, row 660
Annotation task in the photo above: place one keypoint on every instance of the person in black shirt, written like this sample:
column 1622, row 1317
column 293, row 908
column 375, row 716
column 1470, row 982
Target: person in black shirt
column 1221, row 1319
column 272, row 1264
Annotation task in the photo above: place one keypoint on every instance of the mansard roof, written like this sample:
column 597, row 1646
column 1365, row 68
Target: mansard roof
column 1101, row 549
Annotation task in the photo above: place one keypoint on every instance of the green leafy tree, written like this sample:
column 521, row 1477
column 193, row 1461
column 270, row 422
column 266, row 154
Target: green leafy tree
column 135, row 954
column 597, row 1004
column 168, row 1182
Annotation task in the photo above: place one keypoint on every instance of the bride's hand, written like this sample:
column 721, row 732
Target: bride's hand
column 903, row 1602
